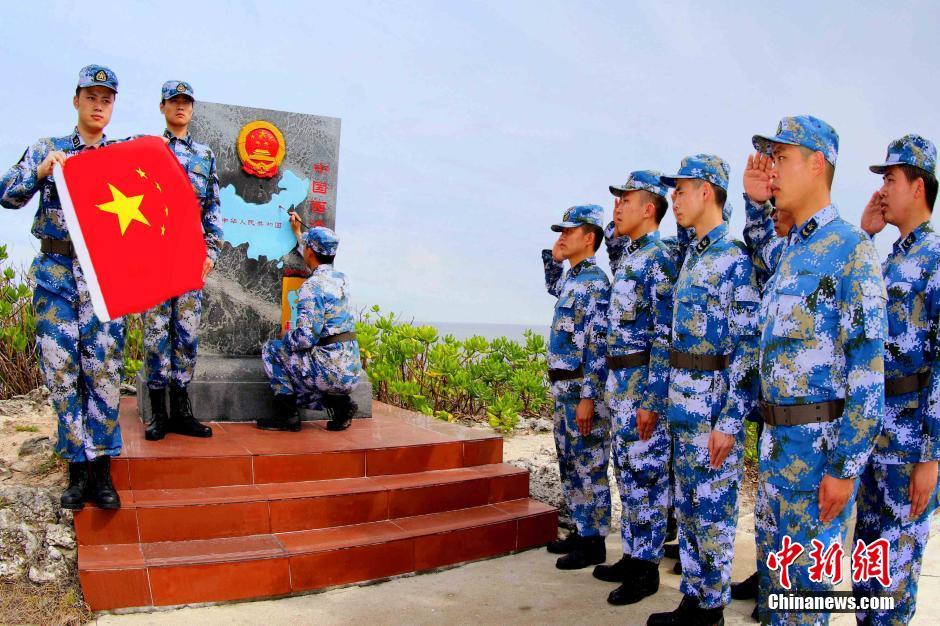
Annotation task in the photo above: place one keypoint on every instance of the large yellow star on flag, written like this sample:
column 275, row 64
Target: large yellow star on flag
column 127, row 209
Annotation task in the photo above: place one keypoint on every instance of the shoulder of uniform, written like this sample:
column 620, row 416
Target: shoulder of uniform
column 204, row 149
column 593, row 272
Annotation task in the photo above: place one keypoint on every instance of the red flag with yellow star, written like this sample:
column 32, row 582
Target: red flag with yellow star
column 135, row 223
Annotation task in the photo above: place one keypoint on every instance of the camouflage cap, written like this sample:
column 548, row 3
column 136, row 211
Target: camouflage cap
column 322, row 240
column 910, row 150
column 579, row 215
column 802, row 130
column 707, row 167
column 97, row 76
column 172, row 88
column 645, row 180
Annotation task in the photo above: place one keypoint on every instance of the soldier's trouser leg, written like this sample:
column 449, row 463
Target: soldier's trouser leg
column 156, row 322
column 279, row 368
column 707, row 512
column 582, row 461
column 187, row 311
column 884, row 512
column 642, row 469
column 779, row 512
column 82, row 364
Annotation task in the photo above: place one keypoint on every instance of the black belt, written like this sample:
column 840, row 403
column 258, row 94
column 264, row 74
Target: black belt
column 700, row 362
column 622, row 362
column 557, row 375
column 907, row 384
column 325, row 341
column 57, row 246
column 797, row 414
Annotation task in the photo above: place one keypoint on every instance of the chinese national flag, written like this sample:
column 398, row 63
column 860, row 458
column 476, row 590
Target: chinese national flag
column 135, row 223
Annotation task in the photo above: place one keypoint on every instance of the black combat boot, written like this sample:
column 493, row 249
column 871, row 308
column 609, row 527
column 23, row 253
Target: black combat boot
column 341, row 409
column 100, row 489
column 746, row 589
column 685, row 615
column 671, row 550
column 156, row 429
column 672, row 528
column 615, row 573
column 711, row 617
column 564, row 546
column 182, row 421
column 589, row 551
column 73, row 498
column 285, row 415
column 642, row 581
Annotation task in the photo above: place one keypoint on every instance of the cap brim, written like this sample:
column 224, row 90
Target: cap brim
column 881, row 169
column 765, row 145
column 563, row 225
column 86, row 85
column 670, row 181
column 617, row 191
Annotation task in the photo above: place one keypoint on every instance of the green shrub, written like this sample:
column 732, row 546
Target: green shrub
column 19, row 369
column 414, row 367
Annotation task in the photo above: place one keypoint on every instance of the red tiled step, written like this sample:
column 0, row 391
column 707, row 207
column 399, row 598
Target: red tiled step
column 156, row 515
column 394, row 441
column 273, row 564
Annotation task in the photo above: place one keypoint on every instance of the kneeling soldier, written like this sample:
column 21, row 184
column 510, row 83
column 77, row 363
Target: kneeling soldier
column 639, row 324
column 577, row 369
column 318, row 360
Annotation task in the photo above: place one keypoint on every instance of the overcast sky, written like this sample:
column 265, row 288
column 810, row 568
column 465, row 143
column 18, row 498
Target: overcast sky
column 467, row 128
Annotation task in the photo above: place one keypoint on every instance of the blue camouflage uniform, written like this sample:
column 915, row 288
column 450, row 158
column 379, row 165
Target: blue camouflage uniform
column 911, row 430
column 716, row 302
column 578, row 340
column 823, row 342
column 80, row 357
column 639, row 322
column 296, row 364
column 170, row 328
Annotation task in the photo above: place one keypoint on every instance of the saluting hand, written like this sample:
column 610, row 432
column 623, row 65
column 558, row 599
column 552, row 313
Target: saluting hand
column 873, row 215
column 45, row 168
column 922, row 486
column 757, row 177
column 556, row 252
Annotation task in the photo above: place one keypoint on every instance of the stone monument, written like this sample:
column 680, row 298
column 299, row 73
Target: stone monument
column 269, row 162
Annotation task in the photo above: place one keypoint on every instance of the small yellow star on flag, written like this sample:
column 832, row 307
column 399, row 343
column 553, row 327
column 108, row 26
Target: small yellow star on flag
column 166, row 210
column 159, row 188
column 127, row 209
column 162, row 231
column 141, row 173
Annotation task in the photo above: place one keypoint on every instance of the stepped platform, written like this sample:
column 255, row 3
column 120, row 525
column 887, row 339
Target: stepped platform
column 258, row 514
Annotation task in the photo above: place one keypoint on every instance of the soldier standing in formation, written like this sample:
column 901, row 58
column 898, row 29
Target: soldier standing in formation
column 897, row 493
column 638, row 331
column 80, row 357
column 821, row 362
column 577, row 371
column 170, row 329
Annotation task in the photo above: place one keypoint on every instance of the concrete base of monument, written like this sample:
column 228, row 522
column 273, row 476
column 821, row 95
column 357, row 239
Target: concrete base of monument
column 235, row 389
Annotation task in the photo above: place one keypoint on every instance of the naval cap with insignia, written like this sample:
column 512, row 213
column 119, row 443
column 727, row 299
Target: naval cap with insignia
column 802, row 130
column 708, row 167
column 642, row 180
column 910, row 150
column 172, row 88
column 322, row 240
column 97, row 76
column 590, row 214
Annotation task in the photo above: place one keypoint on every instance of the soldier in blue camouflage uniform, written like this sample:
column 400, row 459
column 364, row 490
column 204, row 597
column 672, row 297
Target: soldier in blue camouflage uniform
column 821, row 363
column 712, row 388
column 898, row 490
column 80, row 357
column 170, row 328
column 639, row 321
column 317, row 362
column 577, row 371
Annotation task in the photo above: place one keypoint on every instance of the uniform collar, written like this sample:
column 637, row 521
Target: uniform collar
column 822, row 217
column 79, row 144
column 715, row 234
column 583, row 264
column 188, row 139
column 642, row 241
column 903, row 245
